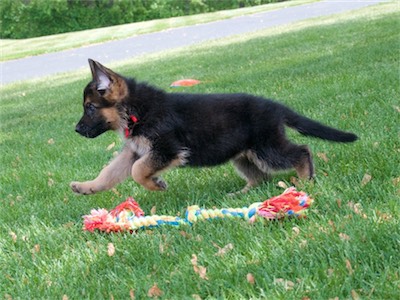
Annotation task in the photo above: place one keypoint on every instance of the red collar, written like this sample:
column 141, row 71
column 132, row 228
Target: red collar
column 134, row 120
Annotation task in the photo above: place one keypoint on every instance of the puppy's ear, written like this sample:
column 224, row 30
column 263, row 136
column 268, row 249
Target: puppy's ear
column 108, row 83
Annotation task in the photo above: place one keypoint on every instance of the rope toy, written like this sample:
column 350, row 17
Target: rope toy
column 128, row 216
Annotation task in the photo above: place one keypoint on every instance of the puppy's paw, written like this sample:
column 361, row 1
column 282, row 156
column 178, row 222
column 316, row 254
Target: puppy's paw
column 83, row 188
column 160, row 184
column 244, row 190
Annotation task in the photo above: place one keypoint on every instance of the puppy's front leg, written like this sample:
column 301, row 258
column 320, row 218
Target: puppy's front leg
column 145, row 172
column 117, row 171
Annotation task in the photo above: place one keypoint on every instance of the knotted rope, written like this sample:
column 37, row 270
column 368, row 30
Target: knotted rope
column 128, row 216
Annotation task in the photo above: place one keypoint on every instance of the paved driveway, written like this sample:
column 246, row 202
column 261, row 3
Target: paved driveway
column 69, row 60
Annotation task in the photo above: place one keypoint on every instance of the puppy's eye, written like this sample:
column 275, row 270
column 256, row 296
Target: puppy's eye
column 90, row 108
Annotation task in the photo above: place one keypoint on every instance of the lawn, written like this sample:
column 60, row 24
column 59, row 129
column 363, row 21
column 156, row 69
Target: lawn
column 343, row 71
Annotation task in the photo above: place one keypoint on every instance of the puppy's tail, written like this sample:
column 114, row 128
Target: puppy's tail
column 309, row 127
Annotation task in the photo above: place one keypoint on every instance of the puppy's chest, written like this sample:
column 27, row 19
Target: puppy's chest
column 139, row 145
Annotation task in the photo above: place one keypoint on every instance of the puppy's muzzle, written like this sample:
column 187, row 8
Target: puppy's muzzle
column 85, row 130
column 91, row 130
column 81, row 129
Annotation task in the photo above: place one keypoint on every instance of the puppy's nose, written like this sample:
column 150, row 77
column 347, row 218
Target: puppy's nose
column 79, row 128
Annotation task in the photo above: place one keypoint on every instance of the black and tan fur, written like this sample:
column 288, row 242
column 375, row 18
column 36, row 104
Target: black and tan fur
column 177, row 129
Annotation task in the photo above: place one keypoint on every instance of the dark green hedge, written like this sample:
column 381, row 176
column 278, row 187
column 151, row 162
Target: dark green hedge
column 31, row 18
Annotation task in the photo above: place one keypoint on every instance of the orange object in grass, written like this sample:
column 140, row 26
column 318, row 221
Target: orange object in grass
column 185, row 82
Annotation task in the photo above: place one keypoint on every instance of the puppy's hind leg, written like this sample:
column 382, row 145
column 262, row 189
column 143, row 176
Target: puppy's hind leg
column 291, row 156
column 248, row 170
column 302, row 162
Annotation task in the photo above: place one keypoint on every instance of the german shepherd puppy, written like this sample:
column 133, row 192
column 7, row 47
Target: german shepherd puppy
column 164, row 130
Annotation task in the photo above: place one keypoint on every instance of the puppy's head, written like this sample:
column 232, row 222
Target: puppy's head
column 101, row 101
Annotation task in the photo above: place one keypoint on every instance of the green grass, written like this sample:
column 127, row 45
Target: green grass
column 14, row 49
column 343, row 71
